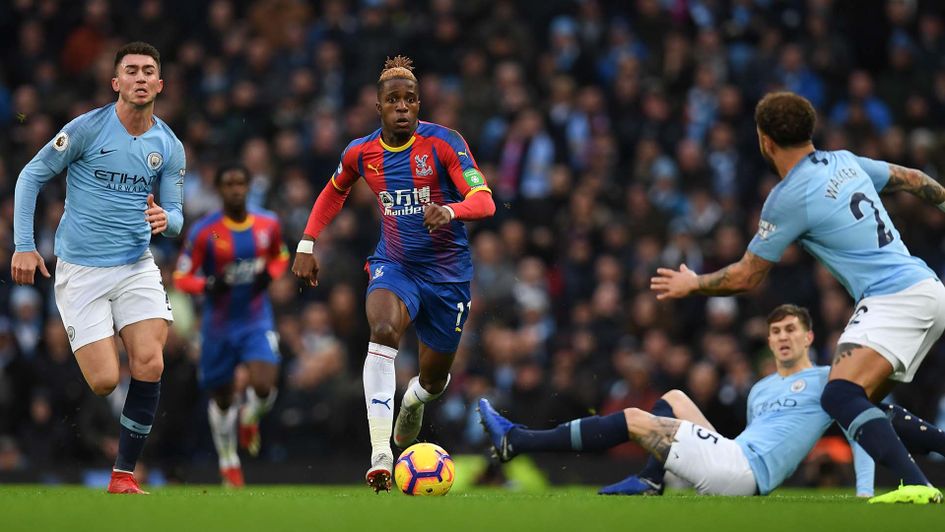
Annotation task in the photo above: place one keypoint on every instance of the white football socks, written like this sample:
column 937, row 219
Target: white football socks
column 255, row 407
column 379, row 386
column 223, row 429
column 416, row 395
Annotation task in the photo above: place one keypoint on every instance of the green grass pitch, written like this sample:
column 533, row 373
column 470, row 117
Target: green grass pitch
column 316, row 508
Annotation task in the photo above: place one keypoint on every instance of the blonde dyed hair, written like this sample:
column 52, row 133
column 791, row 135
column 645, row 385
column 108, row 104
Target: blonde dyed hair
column 400, row 67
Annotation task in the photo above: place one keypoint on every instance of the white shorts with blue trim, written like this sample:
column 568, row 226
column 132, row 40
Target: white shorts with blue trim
column 901, row 327
column 712, row 463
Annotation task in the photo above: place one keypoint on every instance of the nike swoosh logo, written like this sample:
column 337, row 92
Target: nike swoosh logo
column 103, row 151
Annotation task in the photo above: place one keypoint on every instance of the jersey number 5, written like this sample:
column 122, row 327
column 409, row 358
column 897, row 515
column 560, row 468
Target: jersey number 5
column 885, row 236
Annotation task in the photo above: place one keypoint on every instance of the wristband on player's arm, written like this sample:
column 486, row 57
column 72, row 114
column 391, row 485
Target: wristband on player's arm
column 305, row 246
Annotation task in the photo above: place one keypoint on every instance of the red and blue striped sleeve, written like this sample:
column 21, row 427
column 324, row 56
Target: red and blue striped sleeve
column 460, row 163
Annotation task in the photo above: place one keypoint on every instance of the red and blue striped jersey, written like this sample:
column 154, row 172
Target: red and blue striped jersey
column 434, row 166
column 236, row 252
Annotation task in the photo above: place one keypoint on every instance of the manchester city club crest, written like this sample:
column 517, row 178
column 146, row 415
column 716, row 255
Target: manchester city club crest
column 798, row 386
column 155, row 160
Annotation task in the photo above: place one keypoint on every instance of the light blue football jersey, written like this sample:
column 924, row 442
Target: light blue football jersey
column 829, row 202
column 785, row 420
column 110, row 176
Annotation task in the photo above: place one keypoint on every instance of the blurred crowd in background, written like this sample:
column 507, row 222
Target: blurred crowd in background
column 617, row 136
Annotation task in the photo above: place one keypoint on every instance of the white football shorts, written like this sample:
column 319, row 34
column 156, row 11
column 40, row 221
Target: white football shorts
column 712, row 463
column 901, row 327
column 95, row 302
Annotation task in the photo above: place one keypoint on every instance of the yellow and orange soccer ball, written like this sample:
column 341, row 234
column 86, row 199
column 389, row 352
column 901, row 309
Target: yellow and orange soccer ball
column 424, row 469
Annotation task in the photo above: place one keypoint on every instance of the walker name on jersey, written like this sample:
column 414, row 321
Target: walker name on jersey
column 123, row 182
column 838, row 180
column 404, row 202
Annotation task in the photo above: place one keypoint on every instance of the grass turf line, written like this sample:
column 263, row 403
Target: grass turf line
column 275, row 508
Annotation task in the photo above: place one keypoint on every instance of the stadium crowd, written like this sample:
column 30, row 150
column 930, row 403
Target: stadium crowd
column 617, row 137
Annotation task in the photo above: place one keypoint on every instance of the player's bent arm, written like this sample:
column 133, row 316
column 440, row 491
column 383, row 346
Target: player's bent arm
column 172, row 191
column 741, row 276
column 175, row 219
column 28, row 184
column 477, row 205
column 917, row 183
column 327, row 206
column 189, row 283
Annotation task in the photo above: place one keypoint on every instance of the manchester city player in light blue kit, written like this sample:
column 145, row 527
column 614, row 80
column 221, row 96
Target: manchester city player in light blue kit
column 829, row 203
column 785, row 420
column 106, row 279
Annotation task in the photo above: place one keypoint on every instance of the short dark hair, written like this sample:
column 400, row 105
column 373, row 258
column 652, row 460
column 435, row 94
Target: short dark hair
column 787, row 118
column 138, row 48
column 226, row 167
column 783, row 311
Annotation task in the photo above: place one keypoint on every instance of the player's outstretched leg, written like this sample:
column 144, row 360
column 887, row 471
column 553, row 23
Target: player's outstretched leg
column 594, row 433
column 918, row 435
column 410, row 416
column 223, row 430
column 847, row 401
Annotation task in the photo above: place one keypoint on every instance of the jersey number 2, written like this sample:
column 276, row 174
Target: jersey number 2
column 885, row 236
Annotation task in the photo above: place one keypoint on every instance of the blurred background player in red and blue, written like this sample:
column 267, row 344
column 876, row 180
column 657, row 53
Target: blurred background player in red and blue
column 230, row 257
column 427, row 183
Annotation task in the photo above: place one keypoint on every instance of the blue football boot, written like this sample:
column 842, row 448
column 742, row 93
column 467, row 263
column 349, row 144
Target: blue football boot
column 632, row 485
column 498, row 429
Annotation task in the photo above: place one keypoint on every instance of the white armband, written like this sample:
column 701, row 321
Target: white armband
column 306, row 246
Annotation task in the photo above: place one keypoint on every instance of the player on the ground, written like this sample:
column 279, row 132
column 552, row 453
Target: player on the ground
column 231, row 256
column 829, row 202
column 106, row 278
column 427, row 183
column 785, row 420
